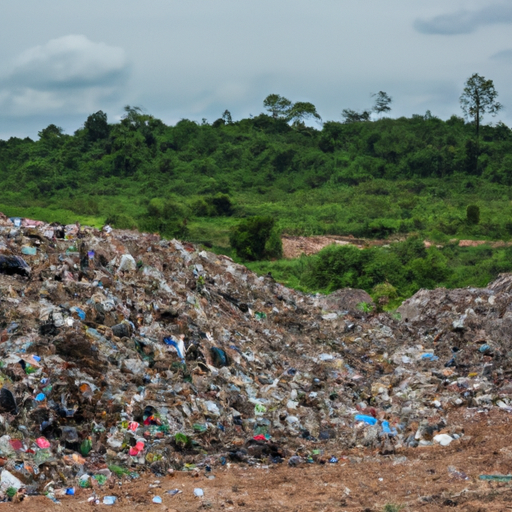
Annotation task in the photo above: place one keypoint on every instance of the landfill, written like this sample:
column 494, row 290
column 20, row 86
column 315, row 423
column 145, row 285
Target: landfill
column 123, row 353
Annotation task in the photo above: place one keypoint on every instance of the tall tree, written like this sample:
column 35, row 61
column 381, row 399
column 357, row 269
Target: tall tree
column 277, row 105
column 96, row 126
column 478, row 98
column 301, row 111
column 226, row 116
column 382, row 102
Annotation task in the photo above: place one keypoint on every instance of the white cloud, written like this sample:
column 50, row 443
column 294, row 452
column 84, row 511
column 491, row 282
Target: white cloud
column 70, row 73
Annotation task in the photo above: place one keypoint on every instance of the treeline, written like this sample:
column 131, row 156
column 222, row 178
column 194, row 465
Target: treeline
column 197, row 180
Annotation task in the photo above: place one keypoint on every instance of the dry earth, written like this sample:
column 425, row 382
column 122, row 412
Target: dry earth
column 416, row 479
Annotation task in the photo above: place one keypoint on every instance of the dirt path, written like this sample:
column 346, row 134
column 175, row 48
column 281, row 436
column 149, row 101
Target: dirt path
column 417, row 479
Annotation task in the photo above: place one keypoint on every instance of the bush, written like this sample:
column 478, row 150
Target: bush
column 213, row 206
column 121, row 221
column 256, row 239
column 222, row 204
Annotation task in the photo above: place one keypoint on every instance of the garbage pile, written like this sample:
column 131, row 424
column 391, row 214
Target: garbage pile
column 121, row 352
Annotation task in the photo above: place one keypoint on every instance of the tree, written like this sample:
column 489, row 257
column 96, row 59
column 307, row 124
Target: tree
column 50, row 132
column 135, row 117
column 226, row 116
column 351, row 116
column 382, row 102
column 479, row 98
column 278, row 106
column 301, row 111
column 256, row 239
column 96, row 126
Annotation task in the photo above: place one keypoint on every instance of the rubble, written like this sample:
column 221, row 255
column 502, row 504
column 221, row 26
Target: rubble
column 121, row 352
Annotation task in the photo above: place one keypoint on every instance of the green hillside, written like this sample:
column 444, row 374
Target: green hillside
column 371, row 179
column 383, row 178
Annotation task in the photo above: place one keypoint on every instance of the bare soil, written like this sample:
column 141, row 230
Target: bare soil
column 414, row 478
column 295, row 246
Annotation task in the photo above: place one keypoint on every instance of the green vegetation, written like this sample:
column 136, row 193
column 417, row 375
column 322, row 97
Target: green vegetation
column 392, row 507
column 11, row 492
column 214, row 183
column 391, row 274
column 256, row 239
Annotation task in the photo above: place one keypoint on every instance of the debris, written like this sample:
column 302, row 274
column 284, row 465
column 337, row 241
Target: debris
column 496, row 478
column 443, row 439
column 126, row 364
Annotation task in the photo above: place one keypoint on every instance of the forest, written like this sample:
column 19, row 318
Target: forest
column 366, row 174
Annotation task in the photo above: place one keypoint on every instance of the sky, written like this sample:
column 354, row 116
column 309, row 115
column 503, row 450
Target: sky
column 61, row 61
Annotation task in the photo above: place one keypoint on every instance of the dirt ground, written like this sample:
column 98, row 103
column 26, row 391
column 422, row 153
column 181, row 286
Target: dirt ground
column 294, row 246
column 415, row 479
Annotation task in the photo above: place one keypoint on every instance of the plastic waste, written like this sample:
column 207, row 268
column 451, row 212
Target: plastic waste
column 219, row 357
column 127, row 263
column 42, row 442
column 122, row 330
column 29, row 251
column 7, row 480
column 496, row 478
column 198, row 492
column 386, row 429
column 84, row 481
column 157, row 499
column 370, row 420
column 459, row 475
column 429, row 357
column 443, row 439
column 178, row 345
column 51, row 496
column 109, row 500
column 80, row 312
column 12, row 265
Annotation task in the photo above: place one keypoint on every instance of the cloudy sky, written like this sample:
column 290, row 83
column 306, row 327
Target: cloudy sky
column 61, row 61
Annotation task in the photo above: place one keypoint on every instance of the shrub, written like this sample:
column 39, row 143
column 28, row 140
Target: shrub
column 121, row 221
column 256, row 239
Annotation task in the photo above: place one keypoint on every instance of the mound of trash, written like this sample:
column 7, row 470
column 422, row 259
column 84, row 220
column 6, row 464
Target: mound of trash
column 121, row 352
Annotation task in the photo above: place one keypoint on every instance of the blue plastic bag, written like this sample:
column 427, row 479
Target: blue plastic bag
column 179, row 346
column 370, row 420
